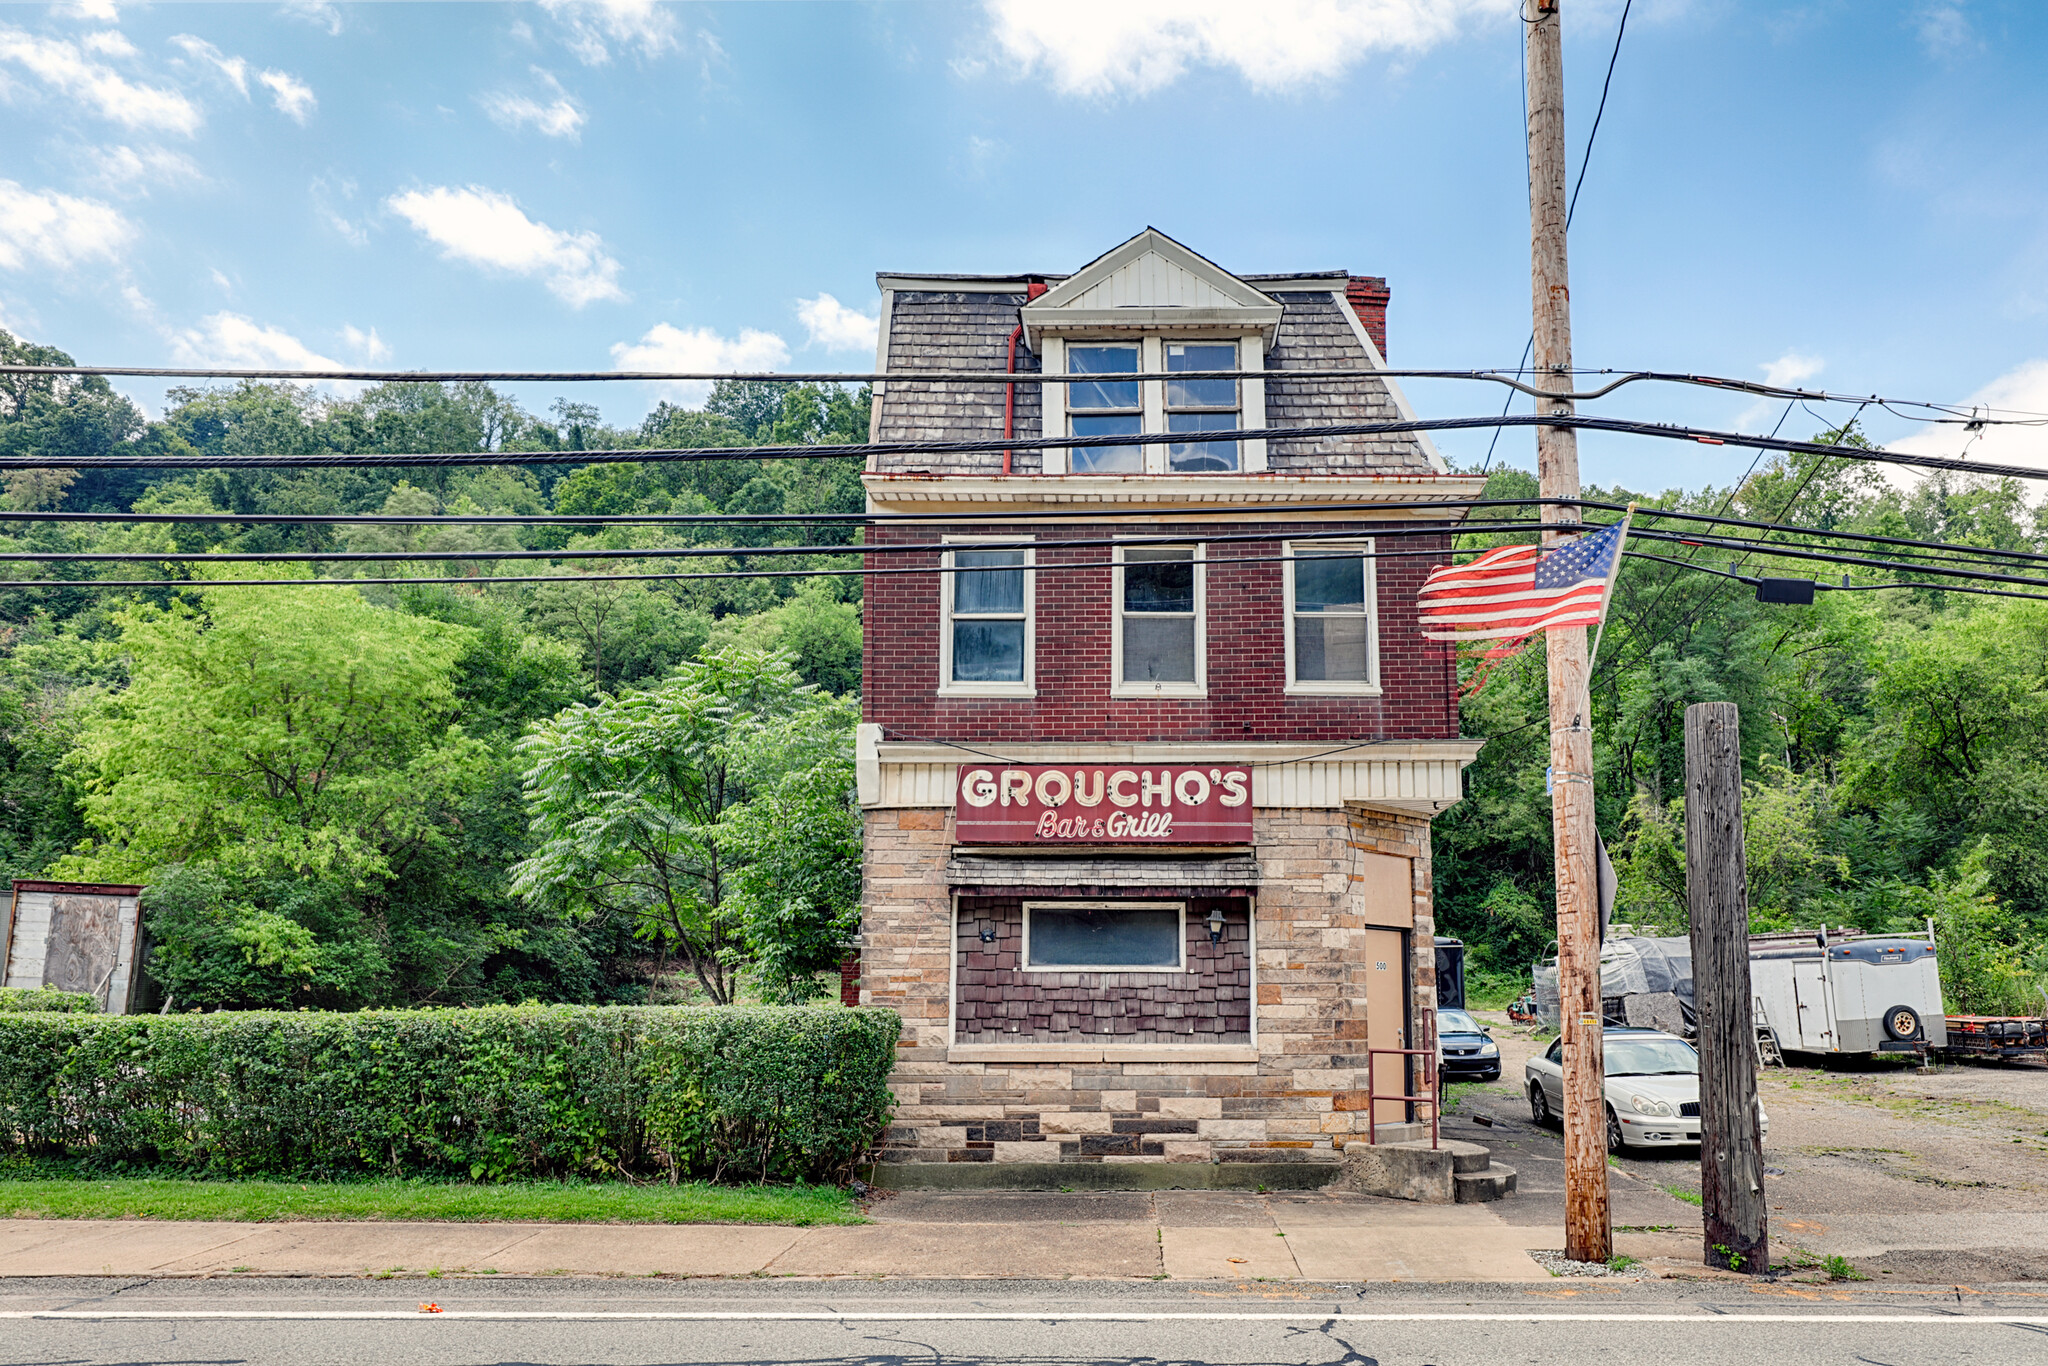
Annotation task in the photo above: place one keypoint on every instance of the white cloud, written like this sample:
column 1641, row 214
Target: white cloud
column 319, row 13
column 94, row 11
column 488, row 229
column 355, row 234
column 368, row 345
column 561, row 117
column 699, row 350
column 66, row 69
column 592, row 27
column 836, row 327
column 235, row 70
column 234, row 342
column 109, row 43
column 2022, row 390
column 1135, row 47
column 292, row 96
column 1792, row 369
column 221, row 282
column 1788, row 371
column 44, row 227
column 1944, row 30
column 122, row 169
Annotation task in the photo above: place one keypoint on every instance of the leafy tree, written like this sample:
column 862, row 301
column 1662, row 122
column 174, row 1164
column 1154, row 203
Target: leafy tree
column 300, row 728
column 634, row 805
column 797, row 847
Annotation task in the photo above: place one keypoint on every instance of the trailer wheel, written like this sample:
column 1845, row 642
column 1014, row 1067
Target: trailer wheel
column 1902, row 1022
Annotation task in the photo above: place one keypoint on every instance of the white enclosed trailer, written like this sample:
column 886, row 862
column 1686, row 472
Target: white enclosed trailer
column 1849, row 996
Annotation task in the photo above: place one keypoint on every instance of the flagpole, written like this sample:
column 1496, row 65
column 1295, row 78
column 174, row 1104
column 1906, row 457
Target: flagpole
column 1607, row 595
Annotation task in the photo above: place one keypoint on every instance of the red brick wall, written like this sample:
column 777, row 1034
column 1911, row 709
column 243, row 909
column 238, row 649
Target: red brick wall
column 1247, row 662
column 1368, row 295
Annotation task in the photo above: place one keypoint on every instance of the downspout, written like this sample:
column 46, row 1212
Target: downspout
column 1032, row 289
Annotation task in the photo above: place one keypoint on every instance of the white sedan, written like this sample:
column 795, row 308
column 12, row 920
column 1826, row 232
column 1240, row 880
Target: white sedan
column 1653, row 1089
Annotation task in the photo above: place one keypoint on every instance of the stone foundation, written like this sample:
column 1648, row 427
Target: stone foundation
column 1294, row 1090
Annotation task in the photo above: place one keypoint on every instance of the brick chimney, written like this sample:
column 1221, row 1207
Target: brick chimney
column 1368, row 295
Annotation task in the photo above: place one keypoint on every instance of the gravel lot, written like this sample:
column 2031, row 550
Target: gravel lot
column 1910, row 1176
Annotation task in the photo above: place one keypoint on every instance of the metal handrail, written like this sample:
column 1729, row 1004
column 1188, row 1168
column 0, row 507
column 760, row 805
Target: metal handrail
column 1432, row 1082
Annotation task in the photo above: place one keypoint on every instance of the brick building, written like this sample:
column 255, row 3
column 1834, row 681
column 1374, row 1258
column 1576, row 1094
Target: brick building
column 1148, row 824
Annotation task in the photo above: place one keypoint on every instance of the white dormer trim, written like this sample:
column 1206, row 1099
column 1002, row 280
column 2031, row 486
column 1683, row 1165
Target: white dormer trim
column 1184, row 290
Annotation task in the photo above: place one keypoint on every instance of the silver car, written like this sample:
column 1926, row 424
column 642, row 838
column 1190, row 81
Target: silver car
column 1653, row 1089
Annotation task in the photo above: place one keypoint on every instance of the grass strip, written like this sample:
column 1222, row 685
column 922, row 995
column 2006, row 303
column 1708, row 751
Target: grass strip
column 450, row 1202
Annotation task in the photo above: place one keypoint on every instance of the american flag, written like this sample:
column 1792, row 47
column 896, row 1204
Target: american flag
column 1517, row 590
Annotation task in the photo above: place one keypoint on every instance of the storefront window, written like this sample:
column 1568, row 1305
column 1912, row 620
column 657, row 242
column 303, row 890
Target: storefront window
column 1102, row 936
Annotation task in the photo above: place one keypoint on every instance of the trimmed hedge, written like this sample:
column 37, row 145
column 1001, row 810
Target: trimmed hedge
column 776, row 1093
column 47, row 998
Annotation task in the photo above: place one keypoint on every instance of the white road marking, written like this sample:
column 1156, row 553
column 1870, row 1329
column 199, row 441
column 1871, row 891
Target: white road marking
column 1019, row 1316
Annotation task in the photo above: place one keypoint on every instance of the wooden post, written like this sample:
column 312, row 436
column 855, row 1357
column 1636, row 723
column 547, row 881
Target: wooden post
column 1588, row 1232
column 1731, row 1146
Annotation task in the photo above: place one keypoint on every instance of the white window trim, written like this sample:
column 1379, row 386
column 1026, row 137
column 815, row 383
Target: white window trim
column 1028, row 687
column 1024, row 963
column 1251, row 395
column 1317, row 687
column 1200, row 687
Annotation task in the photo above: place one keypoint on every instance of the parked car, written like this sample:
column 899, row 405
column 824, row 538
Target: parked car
column 1653, row 1089
column 1469, row 1052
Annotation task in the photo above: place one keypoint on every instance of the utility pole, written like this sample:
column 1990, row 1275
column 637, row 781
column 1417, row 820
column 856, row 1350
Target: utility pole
column 1731, row 1144
column 1588, row 1232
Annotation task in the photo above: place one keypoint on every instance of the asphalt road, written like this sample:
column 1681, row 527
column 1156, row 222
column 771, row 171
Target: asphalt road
column 836, row 1323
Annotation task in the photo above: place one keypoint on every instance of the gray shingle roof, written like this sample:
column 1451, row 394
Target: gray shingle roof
column 970, row 330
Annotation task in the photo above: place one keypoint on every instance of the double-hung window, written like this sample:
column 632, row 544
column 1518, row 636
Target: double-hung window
column 1332, row 628
column 1201, row 405
column 986, row 644
column 1105, row 408
column 1165, row 398
column 1158, row 645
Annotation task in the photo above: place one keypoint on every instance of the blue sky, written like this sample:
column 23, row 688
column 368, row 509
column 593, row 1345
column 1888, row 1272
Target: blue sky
column 1847, row 193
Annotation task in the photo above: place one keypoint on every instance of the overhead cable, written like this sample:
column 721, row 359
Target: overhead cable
column 670, row 454
column 1955, row 413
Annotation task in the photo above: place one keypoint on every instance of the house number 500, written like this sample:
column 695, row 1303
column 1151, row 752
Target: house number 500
column 1380, row 966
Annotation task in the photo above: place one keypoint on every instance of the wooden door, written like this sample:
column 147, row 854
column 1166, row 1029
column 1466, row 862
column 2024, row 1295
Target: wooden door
column 1386, row 1019
column 84, row 944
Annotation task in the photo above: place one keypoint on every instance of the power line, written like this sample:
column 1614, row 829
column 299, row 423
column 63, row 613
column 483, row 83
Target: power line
column 697, row 551
column 1369, row 511
column 1954, row 413
column 670, row 454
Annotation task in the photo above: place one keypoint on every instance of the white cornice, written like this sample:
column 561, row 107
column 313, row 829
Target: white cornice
column 1148, row 495
column 1417, row 776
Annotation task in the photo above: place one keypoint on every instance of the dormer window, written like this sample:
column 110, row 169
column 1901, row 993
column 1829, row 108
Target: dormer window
column 1105, row 408
column 1157, row 311
column 1201, row 405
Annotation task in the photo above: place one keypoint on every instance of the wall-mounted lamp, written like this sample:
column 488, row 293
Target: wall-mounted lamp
column 1215, row 925
column 988, row 934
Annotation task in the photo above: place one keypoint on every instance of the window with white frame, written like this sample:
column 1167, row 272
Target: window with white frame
column 1159, row 642
column 1105, row 936
column 986, row 644
column 1165, row 398
column 1105, row 408
column 1332, row 629
column 1201, row 405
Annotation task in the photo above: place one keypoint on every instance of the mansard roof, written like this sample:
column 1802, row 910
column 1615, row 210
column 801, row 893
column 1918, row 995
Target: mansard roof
column 1151, row 282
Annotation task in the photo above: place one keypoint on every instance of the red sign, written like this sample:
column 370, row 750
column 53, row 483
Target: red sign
column 1103, row 804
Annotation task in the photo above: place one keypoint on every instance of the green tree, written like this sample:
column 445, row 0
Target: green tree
column 297, row 727
column 633, row 803
column 797, row 849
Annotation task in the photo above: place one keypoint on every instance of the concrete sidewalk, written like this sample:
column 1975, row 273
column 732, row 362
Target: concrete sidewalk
column 1180, row 1235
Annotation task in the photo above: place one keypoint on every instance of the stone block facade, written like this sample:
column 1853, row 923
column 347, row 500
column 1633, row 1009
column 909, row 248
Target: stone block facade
column 1291, row 1086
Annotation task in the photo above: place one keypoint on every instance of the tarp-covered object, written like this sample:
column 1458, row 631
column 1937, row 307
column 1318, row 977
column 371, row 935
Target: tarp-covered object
column 1628, row 967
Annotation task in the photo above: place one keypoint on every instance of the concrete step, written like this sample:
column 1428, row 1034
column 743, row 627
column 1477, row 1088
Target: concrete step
column 1467, row 1157
column 1478, row 1187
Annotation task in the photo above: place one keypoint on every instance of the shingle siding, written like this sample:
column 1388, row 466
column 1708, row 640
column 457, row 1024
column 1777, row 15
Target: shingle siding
column 967, row 330
column 929, row 330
